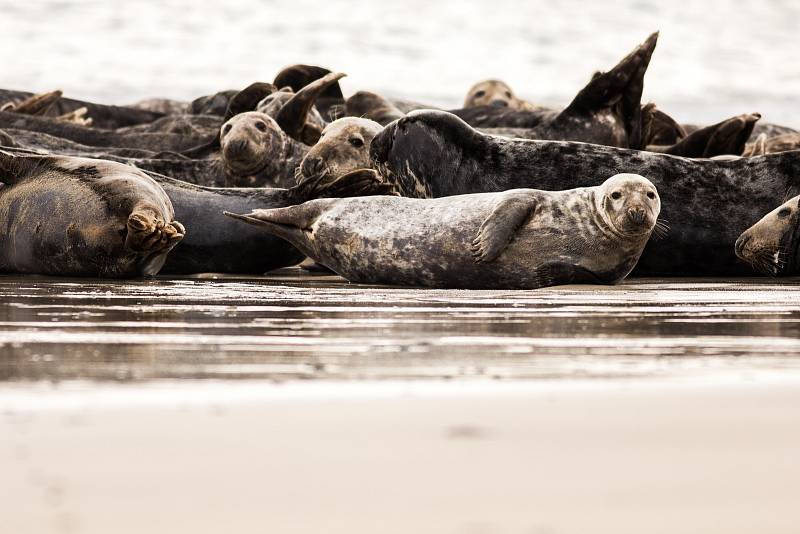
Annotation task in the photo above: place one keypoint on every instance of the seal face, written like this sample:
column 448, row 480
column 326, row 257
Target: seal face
column 248, row 141
column 82, row 217
column 771, row 245
column 343, row 148
column 494, row 93
column 522, row 238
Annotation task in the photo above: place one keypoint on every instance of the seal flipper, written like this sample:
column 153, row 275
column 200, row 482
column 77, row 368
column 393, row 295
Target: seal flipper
column 358, row 183
column 728, row 137
column 292, row 224
column 499, row 227
column 622, row 86
column 292, row 116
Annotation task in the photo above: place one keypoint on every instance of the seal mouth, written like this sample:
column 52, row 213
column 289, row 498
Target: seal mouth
column 772, row 260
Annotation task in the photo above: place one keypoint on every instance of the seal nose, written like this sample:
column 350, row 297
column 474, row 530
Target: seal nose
column 236, row 147
column 499, row 104
column 740, row 244
column 312, row 166
column 636, row 214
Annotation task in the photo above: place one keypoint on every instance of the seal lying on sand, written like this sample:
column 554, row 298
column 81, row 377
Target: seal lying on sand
column 81, row 217
column 709, row 203
column 96, row 137
column 771, row 244
column 518, row 239
column 103, row 116
column 216, row 243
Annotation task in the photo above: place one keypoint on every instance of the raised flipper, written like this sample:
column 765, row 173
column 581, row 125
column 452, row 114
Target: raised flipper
column 728, row 137
column 621, row 87
column 34, row 105
column 500, row 226
column 330, row 102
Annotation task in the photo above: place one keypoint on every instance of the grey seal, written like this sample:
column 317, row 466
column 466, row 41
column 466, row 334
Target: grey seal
column 517, row 239
column 771, row 244
column 708, row 203
column 82, row 217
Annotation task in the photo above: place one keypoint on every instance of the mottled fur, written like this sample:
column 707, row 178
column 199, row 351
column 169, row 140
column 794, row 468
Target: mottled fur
column 707, row 203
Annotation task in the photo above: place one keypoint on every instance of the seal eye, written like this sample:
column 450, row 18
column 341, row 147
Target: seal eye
column 616, row 195
column 479, row 94
column 356, row 142
column 261, row 127
column 785, row 212
column 651, row 195
column 226, row 129
column 508, row 94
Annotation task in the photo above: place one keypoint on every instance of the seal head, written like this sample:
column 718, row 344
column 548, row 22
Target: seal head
column 343, row 147
column 629, row 205
column 771, row 245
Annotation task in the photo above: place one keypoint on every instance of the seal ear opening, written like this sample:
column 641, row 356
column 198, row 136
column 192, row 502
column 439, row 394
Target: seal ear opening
column 292, row 116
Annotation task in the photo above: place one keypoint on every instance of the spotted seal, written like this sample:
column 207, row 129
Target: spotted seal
column 82, row 217
column 433, row 154
column 517, row 239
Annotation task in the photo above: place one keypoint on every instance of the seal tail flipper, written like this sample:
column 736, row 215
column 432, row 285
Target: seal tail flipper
column 292, row 116
column 358, row 183
column 727, row 137
column 500, row 226
column 292, row 223
column 622, row 86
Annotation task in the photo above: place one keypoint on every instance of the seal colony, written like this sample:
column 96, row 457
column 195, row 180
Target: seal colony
column 499, row 193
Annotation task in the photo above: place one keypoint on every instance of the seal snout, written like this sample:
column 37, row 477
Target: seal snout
column 237, row 147
column 312, row 165
column 740, row 245
column 499, row 104
column 637, row 214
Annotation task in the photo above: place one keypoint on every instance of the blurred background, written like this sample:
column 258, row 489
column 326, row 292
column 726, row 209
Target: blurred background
column 714, row 58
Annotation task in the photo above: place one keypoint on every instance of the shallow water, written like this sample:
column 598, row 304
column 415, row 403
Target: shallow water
column 295, row 325
column 714, row 58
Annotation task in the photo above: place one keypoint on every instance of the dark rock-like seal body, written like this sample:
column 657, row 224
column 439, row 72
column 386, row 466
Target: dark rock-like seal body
column 81, row 217
column 707, row 203
column 518, row 239
column 771, row 245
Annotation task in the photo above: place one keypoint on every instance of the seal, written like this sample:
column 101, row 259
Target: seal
column 495, row 93
column 771, row 245
column 82, row 217
column 215, row 243
column 372, row 106
column 607, row 111
column 518, row 239
column 103, row 116
column 708, row 202
column 93, row 136
column 343, row 148
column 772, row 145
column 728, row 137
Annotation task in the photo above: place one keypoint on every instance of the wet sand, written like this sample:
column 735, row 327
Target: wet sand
column 542, row 457
column 293, row 325
column 294, row 403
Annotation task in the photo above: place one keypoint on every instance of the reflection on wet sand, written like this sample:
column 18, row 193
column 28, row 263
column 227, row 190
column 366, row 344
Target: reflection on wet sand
column 292, row 324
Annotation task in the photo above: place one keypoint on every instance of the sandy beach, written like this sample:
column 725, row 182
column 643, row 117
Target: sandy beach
column 540, row 457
